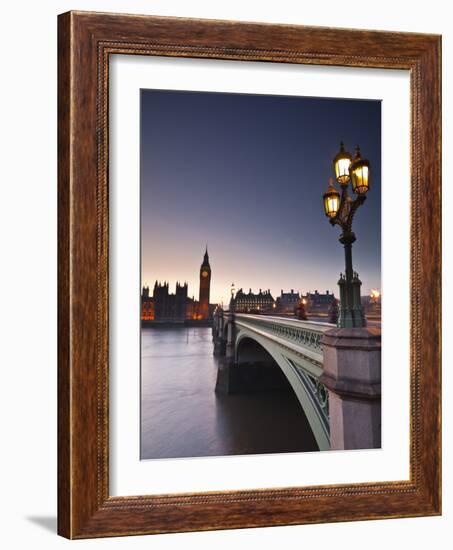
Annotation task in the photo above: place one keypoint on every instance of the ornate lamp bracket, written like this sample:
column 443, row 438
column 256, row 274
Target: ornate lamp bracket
column 345, row 215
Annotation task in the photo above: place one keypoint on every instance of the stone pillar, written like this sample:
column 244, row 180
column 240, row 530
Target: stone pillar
column 226, row 348
column 220, row 327
column 352, row 375
column 215, row 323
column 231, row 341
column 219, row 341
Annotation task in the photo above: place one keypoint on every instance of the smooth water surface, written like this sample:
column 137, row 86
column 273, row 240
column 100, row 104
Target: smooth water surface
column 183, row 416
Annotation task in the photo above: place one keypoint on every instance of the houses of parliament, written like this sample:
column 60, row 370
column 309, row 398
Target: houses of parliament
column 165, row 307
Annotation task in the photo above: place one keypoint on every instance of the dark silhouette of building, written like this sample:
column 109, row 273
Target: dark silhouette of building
column 317, row 303
column 263, row 302
column 170, row 307
column 166, row 307
column 205, row 287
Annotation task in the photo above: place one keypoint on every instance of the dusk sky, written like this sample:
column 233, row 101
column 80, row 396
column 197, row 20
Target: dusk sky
column 246, row 174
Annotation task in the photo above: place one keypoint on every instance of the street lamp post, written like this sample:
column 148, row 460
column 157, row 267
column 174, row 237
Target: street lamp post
column 233, row 290
column 340, row 210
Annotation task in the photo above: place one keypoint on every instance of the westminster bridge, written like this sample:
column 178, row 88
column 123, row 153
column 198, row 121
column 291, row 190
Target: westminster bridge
column 334, row 372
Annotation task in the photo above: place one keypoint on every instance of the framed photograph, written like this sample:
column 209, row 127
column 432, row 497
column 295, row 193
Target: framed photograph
column 249, row 275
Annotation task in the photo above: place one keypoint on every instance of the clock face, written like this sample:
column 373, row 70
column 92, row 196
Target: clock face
column 204, row 273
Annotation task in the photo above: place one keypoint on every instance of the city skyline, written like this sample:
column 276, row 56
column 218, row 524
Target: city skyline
column 172, row 284
column 245, row 174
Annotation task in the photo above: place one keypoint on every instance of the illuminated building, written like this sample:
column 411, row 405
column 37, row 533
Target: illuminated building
column 287, row 302
column 263, row 302
column 147, row 305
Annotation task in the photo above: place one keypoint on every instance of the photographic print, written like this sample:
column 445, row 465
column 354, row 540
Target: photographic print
column 260, row 274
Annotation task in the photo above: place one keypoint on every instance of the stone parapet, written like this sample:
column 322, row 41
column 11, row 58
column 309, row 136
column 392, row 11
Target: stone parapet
column 352, row 375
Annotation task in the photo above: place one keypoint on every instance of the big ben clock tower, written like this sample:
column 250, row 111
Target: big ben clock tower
column 205, row 284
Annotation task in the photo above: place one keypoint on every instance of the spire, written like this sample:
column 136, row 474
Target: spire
column 205, row 263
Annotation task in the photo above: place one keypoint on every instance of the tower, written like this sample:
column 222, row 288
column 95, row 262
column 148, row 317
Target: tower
column 205, row 285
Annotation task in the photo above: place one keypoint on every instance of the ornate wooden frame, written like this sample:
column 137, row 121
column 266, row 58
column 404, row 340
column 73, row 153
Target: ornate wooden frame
column 85, row 41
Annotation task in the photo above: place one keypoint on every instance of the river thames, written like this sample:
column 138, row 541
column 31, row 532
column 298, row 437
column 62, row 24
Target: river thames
column 183, row 416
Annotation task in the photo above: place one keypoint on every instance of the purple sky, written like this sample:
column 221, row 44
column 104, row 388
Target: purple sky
column 246, row 174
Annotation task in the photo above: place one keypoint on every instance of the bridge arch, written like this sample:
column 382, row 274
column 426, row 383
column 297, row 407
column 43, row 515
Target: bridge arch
column 249, row 351
column 266, row 350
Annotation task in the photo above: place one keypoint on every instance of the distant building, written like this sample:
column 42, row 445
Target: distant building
column 263, row 302
column 166, row 307
column 287, row 302
column 316, row 303
column 170, row 307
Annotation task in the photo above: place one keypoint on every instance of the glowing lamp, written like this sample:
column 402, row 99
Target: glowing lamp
column 360, row 174
column 331, row 200
column 341, row 164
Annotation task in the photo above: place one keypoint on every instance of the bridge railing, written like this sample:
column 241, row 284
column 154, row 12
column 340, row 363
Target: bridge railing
column 307, row 334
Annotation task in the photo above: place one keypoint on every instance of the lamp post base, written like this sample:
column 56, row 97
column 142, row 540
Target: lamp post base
column 351, row 311
column 347, row 319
